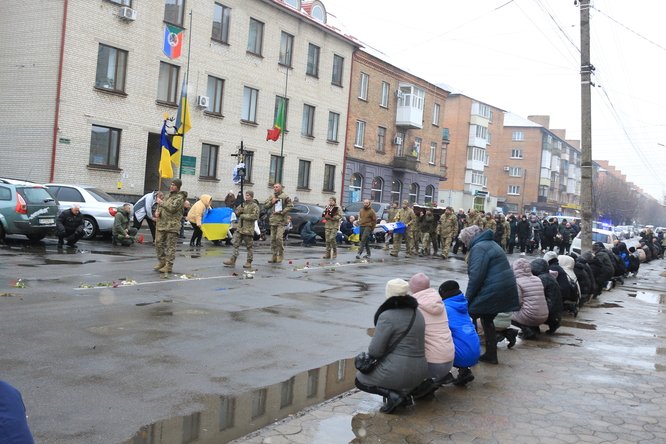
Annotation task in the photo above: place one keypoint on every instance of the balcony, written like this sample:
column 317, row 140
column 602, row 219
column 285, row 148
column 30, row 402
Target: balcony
column 409, row 112
column 404, row 163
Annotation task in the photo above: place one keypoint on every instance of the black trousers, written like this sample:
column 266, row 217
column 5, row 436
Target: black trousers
column 70, row 236
column 489, row 333
column 196, row 234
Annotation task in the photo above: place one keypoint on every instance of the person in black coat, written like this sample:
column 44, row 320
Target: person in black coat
column 552, row 292
column 585, row 279
column 524, row 231
column 69, row 226
column 597, row 272
column 513, row 232
column 569, row 295
column 607, row 269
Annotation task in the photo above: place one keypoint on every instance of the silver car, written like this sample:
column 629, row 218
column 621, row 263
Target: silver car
column 97, row 207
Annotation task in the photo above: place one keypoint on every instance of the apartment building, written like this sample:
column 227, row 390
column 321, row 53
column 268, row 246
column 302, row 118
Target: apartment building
column 542, row 168
column 473, row 130
column 395, row 148
column 89, row 85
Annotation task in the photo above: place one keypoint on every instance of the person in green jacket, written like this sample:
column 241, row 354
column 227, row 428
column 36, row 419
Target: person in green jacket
column 169, row 213
column 122, row 233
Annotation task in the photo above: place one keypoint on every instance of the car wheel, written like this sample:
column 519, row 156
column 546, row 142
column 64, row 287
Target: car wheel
column 89, row 228
column 35, row 237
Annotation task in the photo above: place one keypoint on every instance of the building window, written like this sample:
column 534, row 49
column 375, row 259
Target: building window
column 435, row 114
column 360, row 134
column 313, row 60
column 275, row 171
column 215, row 91
column 191, row 426
column 104, row 146
column 342, row 367
column 329, row 178
column 515, row 172
column 386, row 88
column 209, row 161
column 338, row 65
column 381, row 139
column 416, row 148
column 173, row 11
column 355, row 187
column 517, row 136
column 433, row 153
column 250, row 98
column 442, row 160
column 396, row 191
column 111, row 68
column 516, row 153
column 286, row 48
column 333, row 124
column 258, row 403
column 255, row 37
column 167, row 83
column 376, row 190
column 287, row 392
column 307, row 125
column 304, row 174
column 221, row 18
column 514, row 190
column 414, row 193
column 249, row 163
column 278, row 100
column 363, row 91
column 429, row 195
column 227, row 411
column 313, row 383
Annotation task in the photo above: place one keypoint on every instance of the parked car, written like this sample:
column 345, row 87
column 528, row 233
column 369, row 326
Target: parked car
column 301, row 213
column 606, row 237
column 26, row 208
column 381, row 208
column 97, row 207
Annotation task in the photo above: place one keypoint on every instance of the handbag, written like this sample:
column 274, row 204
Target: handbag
column 365, row 363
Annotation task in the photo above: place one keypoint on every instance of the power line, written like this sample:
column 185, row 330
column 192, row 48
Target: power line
column 629, row 29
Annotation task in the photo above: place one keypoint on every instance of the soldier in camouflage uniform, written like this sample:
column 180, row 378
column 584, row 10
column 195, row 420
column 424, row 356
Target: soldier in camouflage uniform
column 416, row 231
column 473, row 218
column 507, row 232
column 332, row 214
column 280, row 204
column 168, row 214
column 428, row 232
column 392, row 213
column 247, row 213
column 448, row 230
column 406, row 216
column 490, row 223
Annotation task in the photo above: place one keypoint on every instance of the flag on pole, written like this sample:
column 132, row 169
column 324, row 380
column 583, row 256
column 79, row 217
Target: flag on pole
column 274, row 133
column 165, row 168
column 173, row 41
column 183, row 124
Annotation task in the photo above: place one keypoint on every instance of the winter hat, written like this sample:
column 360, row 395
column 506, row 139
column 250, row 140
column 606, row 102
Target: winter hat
column 597, row 246
column 397, row 287
column 177, row 182
column 549, row 256
column 467, row 234
column 419, row 282
column 448, row 289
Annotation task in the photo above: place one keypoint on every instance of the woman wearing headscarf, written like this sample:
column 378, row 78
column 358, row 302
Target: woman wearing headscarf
column 551, row 291
column 399, row 372
column 491, row 288
column 195, row 215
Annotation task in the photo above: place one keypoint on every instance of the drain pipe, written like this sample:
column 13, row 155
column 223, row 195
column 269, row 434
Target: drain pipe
column 58, row 88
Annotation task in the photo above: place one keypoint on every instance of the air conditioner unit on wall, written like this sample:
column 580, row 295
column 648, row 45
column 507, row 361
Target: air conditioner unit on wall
column 127, row 13
column 203, row 101
column 397, row 140
column 507, row 168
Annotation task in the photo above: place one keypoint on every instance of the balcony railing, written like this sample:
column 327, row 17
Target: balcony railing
column 404, row 163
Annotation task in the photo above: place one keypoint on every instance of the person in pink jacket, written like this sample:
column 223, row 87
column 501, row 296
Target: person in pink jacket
column 439, row 348
column 533, row 306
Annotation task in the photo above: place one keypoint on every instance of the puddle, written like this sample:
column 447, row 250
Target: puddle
column 605, row 305
column 651, row 297
column 575, row 324
column 226, row 418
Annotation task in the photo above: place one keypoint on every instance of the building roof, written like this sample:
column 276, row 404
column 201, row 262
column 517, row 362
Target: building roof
column 511, row 119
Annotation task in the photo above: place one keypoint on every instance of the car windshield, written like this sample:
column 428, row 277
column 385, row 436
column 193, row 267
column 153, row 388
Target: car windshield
column 100, row 195
column 35, row 195
column 599, row 237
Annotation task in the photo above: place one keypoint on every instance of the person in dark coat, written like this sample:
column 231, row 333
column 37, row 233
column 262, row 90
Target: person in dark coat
column 607, row 268
column 405, row 368
column 550, row 230
column 13, row 422
column 569, row 296
column 524, row 231
column 533, row 306
column 69, row 226
column 308, row 236
column 585, row 279
column 551, row 291
column 513, row 232
column 597, row 272
column 491, row 288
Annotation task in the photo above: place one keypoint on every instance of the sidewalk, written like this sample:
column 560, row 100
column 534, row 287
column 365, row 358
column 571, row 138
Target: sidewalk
column 600, row 378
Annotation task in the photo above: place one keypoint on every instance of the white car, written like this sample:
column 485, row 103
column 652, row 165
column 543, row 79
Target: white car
column 606, row 237
column 97, row 207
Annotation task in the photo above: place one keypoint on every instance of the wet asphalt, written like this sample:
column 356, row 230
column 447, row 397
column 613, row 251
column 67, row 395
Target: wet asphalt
column 105, row 350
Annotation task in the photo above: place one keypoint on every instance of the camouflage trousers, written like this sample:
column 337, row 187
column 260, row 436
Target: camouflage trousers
column 428, row 240
column 248, row 240
column 165, row 246
column 331, row 244
column 446, row 244
column 409, row 241
column 277, row 240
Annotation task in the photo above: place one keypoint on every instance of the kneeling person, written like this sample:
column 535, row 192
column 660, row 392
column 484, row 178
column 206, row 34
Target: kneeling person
column 69, row 226
column 122, row 233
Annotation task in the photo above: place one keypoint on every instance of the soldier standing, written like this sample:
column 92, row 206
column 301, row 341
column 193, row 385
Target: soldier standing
column 168, row 214
column 247, row 213
column 428, row 232
column 392, row 213
column 448, row 230
column 280, row 204
column 473, row 218
column 332, row 215
column 406, row 216
column 490, row 223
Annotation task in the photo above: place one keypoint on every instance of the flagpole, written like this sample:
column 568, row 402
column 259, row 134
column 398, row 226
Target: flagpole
column 187, row 79
column 286, row 83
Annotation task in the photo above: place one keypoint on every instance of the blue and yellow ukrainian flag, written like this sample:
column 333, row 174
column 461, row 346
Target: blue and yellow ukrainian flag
column 216, row 222
column 168, row 150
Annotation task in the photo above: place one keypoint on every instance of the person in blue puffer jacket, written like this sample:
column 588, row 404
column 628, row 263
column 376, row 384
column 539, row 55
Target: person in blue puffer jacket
column 13, row 422
column 465, row 338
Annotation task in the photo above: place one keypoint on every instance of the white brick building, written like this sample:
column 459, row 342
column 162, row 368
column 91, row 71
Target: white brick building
column 116, row 84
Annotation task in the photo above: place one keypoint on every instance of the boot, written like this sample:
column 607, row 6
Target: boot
column 489, row 358
column 159, row 266
column 272, row 260
column 278, row 259
column 192, row 243
column 231, row 262
column 511, row 335
column 335, row 254
column 327, row 255
column 464, row 376
column 247, row 264
column 392, row 400
column 165, row 269
column 198, row 243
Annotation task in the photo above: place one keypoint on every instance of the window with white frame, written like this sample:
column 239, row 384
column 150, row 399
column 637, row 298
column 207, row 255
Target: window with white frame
column 517, row 136
column 275, row 170
column 513, row 190
column 416, row 148
column 250, row 99
column 221, row 19
column 478, row 179
column 515, row 172
column 167, row 83
column 307, row 125
column 363, row 86
column 104, row 146
column 414, row 192
column 428, row 198
column 355, row 187
column 111, row 68
column 386, row 90
column 286, row 48
column 312, row 68
column 433, row 153
column 516, row 153
column 333, row 124
column 396, row 191
column 478, row 154
column 360, row 134
column 435, row 114
column 481, row 109
column 304, row 174
column 255, row 37
column 377, row 189
column 481, row 132
column 209, row 154
column 338, row 67
column 214, row 90
column 381, row 139
column 329, row 178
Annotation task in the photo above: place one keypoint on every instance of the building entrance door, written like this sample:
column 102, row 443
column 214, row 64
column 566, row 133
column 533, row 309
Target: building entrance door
column 153, row 153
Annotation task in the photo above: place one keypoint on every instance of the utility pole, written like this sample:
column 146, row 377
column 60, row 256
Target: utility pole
column 241, row 155
column 586, row 69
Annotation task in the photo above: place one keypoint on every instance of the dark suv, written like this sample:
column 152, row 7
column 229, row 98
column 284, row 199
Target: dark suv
column 26, row 208
column 381, row 208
